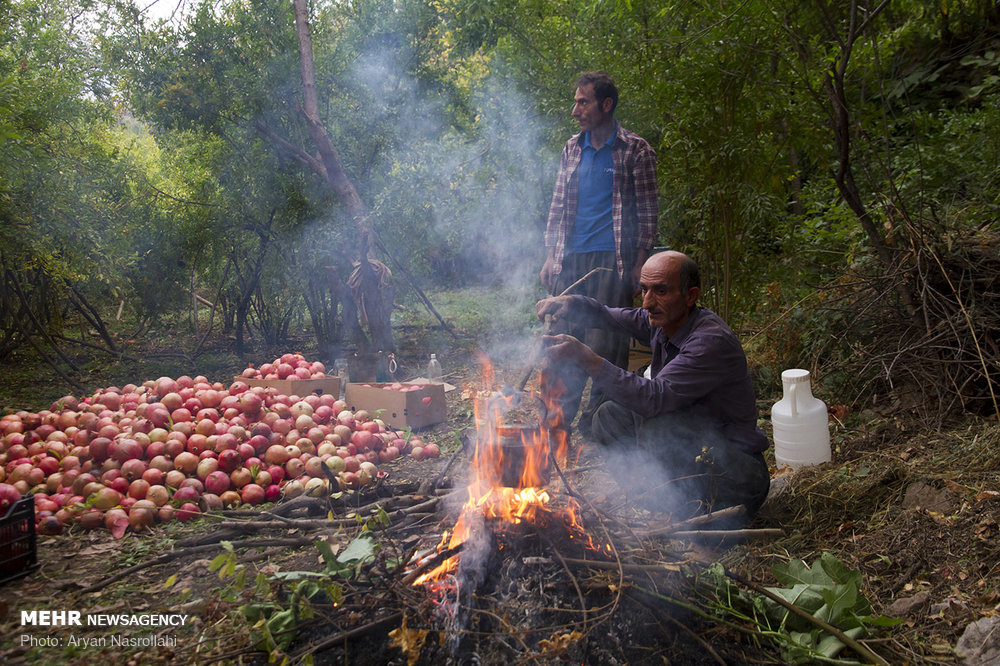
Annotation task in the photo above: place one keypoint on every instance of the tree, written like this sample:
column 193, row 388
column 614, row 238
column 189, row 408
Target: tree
column 63, row 193
column 330, row 167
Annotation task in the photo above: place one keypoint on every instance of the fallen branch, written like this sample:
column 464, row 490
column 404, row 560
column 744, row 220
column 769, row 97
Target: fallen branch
column 447, row 468
column 662, row 567
column 200, row 299
column 733, row 512
column 729, row 534
column 194, row 550
column 227, row 528
column 430, row 563
column 343, row 636
column 282, row 510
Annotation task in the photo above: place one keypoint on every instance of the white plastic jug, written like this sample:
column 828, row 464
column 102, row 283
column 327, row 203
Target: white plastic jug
column 801, row 426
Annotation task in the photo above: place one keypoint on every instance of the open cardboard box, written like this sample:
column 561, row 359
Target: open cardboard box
column 399, row 409
column 448, row 388
column 299, row 387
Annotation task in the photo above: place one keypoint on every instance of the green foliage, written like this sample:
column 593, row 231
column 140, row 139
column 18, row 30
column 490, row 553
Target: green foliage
column 695, row 82
column 827, row 590
column 448, row 117
column 228, row 79
column 64, row 196
column 276, row 617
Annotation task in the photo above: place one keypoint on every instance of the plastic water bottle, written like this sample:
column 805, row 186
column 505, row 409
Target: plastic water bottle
column 434, row 374
column 341, row 365
column 801, row 425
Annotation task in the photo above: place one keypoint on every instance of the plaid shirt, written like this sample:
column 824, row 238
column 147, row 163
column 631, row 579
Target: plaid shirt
column 634, row 203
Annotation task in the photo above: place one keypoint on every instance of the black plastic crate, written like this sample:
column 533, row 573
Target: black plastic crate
column 18, row 546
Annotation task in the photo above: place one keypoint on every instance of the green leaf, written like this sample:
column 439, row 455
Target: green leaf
column 830, row 646
column 308, row 589
column 218, row 561
column 359, row 550
column 280, row 622
column 327, row 553
column 800, row 646
column 881, row 620
column 240, row 580
column 807, row 597
column 333, row 591
column 257, row 612
column 297, row 575
column 797, row 571
column 260, row 584
column 839, row 600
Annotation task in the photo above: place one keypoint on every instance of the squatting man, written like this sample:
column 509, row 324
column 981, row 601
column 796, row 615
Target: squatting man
column 689, row 431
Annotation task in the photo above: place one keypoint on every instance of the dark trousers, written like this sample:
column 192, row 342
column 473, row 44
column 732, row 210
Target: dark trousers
column 607, row 288
column 677, row 463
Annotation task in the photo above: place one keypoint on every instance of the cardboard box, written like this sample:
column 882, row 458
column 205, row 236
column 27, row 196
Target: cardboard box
column 399, row 409
column 299, row 387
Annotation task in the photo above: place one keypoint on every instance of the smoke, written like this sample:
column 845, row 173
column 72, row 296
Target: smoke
column 668, row 464
column 462, row 186
column 462, row 189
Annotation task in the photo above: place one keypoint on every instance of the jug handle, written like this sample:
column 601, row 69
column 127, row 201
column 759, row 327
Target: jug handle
column 791, row 396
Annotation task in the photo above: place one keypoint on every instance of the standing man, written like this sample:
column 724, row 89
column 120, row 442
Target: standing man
column 603, row 215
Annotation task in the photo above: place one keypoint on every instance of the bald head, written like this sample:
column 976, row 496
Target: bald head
column 671, row 260
column 670, row 287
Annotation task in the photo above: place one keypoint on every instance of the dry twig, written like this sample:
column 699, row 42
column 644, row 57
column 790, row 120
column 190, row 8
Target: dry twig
column 194, row 550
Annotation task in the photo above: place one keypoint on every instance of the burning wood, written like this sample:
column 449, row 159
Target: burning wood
column 510, row 466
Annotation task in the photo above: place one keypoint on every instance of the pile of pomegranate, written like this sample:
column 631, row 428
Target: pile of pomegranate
column 171, row 449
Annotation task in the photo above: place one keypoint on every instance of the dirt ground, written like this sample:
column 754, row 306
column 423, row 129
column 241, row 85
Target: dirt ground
column 914, row 511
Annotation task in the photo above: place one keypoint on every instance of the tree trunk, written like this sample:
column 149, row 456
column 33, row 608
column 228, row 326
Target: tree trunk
column 89, row 312
column 374, row 297
column 841, row 125
column 249, row 285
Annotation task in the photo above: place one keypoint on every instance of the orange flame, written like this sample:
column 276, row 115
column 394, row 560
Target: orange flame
column 509, row 468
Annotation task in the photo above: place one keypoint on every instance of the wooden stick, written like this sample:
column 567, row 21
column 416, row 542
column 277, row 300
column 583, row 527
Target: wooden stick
column 431, row 563
column 583, row 279
column 344, row 635
column 729, row 534
column 663, row 567
column 548, row 327
column 730, row 512
column 174, row 554
column 451, row 461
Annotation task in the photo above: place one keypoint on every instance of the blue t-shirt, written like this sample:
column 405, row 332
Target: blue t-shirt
column 593, row 230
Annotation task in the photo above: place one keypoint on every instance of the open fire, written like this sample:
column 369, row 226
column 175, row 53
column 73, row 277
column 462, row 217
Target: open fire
column 511, row 465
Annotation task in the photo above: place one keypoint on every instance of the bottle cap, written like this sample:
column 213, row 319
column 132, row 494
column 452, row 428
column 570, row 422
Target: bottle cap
column 795, row 375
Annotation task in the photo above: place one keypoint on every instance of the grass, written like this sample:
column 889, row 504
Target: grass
column 480, row 314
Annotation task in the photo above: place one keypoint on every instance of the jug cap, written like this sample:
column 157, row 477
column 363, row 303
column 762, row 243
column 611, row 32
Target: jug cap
column 795, row 376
